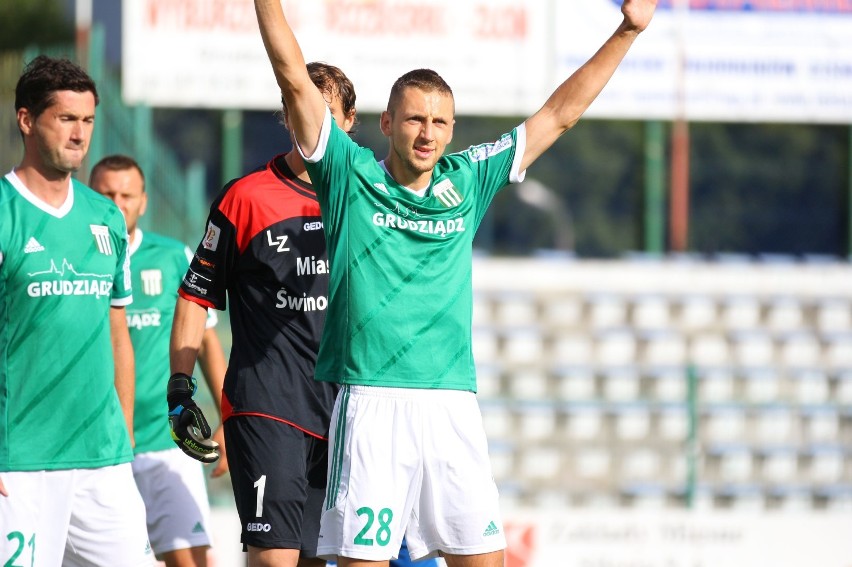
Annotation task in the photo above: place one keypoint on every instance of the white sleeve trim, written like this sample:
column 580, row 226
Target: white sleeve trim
column 516, row 176
column 322, row 143
column 121, row 301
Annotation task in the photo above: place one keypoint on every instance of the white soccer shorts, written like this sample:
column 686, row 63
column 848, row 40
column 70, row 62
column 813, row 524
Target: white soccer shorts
column 413, row 462
column 73, row 518
column 175, row 495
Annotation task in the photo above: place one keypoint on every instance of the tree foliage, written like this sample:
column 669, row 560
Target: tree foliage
column 33, row 22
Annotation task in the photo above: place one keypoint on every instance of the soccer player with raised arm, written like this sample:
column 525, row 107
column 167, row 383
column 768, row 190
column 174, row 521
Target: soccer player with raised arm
column 409, row 454
column 67, row 494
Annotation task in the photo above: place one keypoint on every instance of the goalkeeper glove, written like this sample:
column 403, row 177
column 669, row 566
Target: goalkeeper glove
column 190, row 430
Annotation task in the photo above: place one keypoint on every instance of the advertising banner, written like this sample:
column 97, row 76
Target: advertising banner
column 712, row 60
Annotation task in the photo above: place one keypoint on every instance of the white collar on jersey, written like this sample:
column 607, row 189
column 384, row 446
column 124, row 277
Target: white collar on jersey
column 418, row 192
column 57, row 212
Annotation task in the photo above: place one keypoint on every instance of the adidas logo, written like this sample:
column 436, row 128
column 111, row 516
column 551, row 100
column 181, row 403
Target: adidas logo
column 198, row 529
column 33, row 246
column 491, row 530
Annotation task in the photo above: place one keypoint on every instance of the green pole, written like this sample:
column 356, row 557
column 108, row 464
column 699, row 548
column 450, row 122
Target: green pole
column 692, row 435
column 196, row 202
column 654, row 233
column 96, row 69
column 232, row 144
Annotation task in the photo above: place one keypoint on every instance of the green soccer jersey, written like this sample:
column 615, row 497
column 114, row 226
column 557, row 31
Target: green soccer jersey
column 157, row 265
column 60, row 271
column 401, row 298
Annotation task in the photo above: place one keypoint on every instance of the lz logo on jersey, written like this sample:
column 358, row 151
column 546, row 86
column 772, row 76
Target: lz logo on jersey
column 152, row 282
column 278, row 241
column 101, row 234
column 447, row 193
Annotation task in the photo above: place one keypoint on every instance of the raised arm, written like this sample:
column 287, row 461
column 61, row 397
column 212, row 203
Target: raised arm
column 571, row 99
column 305, row 105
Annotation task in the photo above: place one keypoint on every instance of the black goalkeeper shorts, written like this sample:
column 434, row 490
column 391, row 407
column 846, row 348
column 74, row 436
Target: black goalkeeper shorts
column 278, row 474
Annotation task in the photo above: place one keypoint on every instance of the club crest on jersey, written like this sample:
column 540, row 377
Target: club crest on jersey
column 447, row 193
column 101, row 234
column 152, row 282
column 211, row 237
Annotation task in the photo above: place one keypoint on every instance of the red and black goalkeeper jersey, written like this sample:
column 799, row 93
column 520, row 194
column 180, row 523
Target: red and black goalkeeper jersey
column 264, row 248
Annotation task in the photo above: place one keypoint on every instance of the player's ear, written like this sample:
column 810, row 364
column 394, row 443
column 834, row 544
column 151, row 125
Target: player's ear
column 144, row 205
column 348, row 121
column 385, row 123
column 25, row 121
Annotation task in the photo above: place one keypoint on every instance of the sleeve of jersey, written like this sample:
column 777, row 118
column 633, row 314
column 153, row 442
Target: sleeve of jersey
column 122, row 293
column 206, row 280
column 497, row 164
column 212, row 318
column 330, row 163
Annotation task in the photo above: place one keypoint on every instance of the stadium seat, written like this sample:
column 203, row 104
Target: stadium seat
column 522, row 346
column 833, row 315
column 741, row 312
column 663, row 348
column 532, row 383
column 606, row 311
column 584, row 422
column 821, row 424
column 488, row 381
column 632, row 422
column 838, row 350
column 673, row 424
column 592, row 463
column 843, row 388
column 515, row 309
column 575, row 383
column 669, row 384
column 615, row 347
column 485, row 346
column 620, row 384
column 502, row 456
column 536, row 421
column 800, row 349
column 723, row 424
column 650, row 312
column 734, row 463
column 697, row 313
column 779, row 465
column 824, row 464
column 497, row 420
column 715, row 385
column 810, row 386
column 640, row 464
column 482, row 315
column 761, row 385
column 776, row 425
column 709, row 349
column 784, row 314
column 753, row 348
column 539, row 463
column 572, row 349
column 562, row 312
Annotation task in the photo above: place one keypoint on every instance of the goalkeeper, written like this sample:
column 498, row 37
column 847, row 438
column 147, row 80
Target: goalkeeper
column 263, row 251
